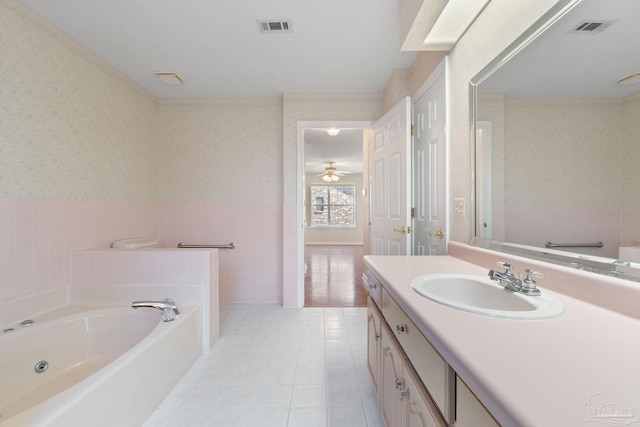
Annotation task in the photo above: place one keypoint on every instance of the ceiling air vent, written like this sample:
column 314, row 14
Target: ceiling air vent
column 592, row 26
column 274, row 26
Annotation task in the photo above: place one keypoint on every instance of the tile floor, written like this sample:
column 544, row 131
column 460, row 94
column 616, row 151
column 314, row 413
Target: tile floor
column 278, row 367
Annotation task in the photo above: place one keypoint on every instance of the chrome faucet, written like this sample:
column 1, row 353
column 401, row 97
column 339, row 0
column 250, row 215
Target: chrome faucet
column 515, row 282
column 167, row 306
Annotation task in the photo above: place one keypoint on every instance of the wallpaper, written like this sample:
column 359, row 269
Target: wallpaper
column 631, row 150
column 71, row 126
column 563, row 151
column 220, row 151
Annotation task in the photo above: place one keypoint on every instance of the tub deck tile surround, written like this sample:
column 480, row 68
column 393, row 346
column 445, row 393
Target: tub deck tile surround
column 275, row 366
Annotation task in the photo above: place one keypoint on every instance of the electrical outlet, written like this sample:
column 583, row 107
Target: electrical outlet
column 459, row 207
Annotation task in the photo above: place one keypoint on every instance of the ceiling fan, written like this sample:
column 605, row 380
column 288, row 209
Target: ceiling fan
column 331, row 174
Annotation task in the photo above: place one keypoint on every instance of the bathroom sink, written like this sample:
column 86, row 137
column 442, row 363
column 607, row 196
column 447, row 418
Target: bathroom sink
column 481, row 295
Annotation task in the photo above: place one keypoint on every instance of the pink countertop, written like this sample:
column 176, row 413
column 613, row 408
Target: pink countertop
column 539, row 373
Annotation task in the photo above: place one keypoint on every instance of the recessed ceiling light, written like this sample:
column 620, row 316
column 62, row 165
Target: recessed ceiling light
column 169, row 78
column 630, row 79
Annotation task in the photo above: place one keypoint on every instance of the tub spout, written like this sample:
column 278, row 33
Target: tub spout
column 167, row 306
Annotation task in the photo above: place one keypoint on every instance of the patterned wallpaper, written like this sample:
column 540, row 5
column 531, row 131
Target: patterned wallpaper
column 220, row 151
column 564, row 151
column 71, row 126
column 631, row 150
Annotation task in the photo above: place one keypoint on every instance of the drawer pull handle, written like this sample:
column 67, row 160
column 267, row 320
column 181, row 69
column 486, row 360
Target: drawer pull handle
column 377, row 336
column 398, row 383
column 403, row 393
column 401, row 329
column 373, row 286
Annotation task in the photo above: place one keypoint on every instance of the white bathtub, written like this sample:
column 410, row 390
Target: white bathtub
column 107, row 367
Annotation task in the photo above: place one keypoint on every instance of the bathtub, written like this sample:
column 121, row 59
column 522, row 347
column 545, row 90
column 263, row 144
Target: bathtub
column 102, row 367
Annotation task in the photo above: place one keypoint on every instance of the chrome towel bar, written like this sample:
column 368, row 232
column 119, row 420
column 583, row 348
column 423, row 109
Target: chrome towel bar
column 229, row 246
column 574, row 245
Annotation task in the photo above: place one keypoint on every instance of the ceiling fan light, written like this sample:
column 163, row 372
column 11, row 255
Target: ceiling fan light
column 333, row 131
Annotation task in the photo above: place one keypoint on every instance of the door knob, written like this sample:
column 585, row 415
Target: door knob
column 402, row 230
column 439, row 234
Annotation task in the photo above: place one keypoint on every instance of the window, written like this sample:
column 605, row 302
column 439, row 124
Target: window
column 333, row 206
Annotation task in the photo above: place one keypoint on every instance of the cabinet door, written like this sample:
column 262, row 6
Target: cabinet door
column 374, row 343
column 469, row 410
column 418, row 409
column 392, row 380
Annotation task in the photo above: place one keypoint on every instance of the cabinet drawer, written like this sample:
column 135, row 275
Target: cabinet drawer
column 434, row 371
column 373, row 287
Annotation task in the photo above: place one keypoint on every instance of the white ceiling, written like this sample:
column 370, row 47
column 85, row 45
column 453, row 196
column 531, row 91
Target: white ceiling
column 344, row 149
column 336, row 46
column 563, row 64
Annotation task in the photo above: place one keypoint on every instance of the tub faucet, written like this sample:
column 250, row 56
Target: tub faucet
column 167, row 306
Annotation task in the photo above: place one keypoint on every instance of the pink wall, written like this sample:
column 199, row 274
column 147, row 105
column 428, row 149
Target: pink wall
column 614, row 225
column 37, row 237
column 250, row 273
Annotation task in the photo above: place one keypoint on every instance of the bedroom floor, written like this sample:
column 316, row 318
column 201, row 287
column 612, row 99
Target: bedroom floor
column 333, row 276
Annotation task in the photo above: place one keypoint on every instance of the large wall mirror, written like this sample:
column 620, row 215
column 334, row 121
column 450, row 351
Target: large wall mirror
column 556, row 121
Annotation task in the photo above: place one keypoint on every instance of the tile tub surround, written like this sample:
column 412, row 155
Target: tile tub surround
column 120, row 276
column 37, row 237
column 275, row 366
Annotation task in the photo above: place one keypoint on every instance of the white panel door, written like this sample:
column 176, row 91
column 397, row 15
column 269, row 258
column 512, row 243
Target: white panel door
column 430, row 168
column 390, row 177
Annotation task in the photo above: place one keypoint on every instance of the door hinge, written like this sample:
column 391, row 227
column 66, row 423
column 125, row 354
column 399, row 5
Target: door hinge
column 413, row 130
column 413, row 213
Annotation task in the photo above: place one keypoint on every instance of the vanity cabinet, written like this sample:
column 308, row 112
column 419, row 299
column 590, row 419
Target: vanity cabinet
column 434, row 371
column 414, row 383
column 404, row 403
column 374, row 343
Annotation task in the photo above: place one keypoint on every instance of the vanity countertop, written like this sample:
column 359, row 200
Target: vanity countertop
column 553, row 372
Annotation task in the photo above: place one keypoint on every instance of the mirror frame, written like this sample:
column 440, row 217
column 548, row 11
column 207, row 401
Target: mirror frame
column 600, row 265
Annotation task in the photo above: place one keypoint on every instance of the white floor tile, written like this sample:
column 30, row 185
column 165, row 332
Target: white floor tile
column 310, row 375
column 307, row 417
column 269, row 417
column 341, row 376
column 309, row 396
column 343, row 417
column 274, row 396
column 275, row 367
column 344, row 396
column 279, row 375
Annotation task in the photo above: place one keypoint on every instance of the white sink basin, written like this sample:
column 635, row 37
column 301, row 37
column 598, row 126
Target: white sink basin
column 481, row 295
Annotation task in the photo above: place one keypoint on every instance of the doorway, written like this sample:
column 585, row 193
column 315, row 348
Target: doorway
column 333, row 190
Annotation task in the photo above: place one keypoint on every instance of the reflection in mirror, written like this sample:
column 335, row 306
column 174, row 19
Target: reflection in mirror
column 557, row 123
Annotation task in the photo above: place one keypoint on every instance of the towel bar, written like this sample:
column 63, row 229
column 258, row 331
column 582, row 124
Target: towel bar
column 574, row 245
column 229, row 246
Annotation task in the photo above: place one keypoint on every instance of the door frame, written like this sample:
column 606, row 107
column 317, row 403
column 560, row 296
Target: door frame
column 300, row 188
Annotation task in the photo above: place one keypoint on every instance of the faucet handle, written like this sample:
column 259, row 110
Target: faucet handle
column 507, row 268
column 531, row 274
column 528, row 284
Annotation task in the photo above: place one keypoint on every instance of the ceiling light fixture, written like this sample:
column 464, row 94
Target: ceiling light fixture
column 632, row 78
column 333, row 131
column 169, row 78
column 329, row 177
